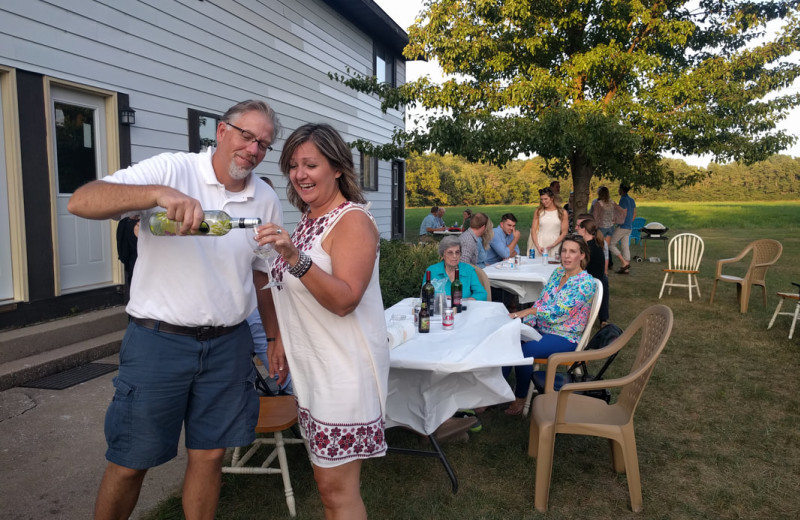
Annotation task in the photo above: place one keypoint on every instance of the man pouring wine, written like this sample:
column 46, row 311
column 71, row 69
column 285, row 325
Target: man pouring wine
column 186, row 355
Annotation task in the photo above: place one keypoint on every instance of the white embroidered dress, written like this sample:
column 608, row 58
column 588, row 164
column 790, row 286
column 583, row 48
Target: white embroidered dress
column 339, row 364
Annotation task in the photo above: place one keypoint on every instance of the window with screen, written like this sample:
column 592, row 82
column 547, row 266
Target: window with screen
column 369, row 172
column 202, row 130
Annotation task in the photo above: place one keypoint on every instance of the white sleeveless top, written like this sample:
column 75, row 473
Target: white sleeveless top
column 339, row 364
column 549, row 231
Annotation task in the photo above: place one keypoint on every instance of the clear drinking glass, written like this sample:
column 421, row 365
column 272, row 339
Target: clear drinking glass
column 268, row 253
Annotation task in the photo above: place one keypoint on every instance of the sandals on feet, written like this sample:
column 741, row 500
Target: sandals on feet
column 625, row 269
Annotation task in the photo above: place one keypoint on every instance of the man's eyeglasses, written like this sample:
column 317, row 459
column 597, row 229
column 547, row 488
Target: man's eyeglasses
column 250, row 137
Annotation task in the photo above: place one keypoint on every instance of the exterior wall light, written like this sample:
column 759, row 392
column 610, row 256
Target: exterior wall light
column 127, row 116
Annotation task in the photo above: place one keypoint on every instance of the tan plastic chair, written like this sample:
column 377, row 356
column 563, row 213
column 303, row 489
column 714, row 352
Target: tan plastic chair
column 597, row 300
column 567, row 412
column 484, row 278
column 684, row 253
column 765, row 253
column 275, row 415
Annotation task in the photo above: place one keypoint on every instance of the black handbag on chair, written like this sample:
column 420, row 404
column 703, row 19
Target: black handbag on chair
column 579, row 371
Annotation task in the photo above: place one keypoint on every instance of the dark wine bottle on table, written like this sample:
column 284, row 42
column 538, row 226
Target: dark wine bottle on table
column 456, row 292
column 428, row 291
column 424, row 318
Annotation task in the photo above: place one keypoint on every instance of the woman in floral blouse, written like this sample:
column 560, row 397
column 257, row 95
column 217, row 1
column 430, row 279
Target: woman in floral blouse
column 560, row 314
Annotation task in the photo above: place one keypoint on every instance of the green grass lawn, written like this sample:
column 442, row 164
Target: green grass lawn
column 674, row 215
column 718, row 427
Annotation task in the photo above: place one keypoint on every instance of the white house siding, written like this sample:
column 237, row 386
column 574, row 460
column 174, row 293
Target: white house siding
column 172, row 55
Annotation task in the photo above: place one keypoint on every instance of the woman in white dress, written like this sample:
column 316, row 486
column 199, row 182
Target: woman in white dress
column 330, row 314
column 550, row 225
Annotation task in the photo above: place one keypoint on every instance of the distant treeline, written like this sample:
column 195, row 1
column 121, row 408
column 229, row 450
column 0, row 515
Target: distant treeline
column 436, row 180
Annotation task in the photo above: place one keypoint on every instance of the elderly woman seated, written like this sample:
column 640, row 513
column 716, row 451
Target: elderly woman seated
column 450, row 251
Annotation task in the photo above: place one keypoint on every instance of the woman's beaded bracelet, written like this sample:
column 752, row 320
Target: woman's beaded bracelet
column 301, row 267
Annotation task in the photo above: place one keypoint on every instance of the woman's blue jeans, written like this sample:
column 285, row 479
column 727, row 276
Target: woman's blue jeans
column 549, row 344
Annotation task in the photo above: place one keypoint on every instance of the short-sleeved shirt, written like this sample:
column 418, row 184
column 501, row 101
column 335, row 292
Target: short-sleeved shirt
column 469, row 247
column 430, row 221
column 629, row 204
column 498, row 247
column 197, row 281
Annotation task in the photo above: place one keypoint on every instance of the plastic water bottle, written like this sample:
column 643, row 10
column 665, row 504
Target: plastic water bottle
column 544, row 256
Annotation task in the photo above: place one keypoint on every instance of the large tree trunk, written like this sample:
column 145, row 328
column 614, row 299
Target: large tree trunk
column 582, row 173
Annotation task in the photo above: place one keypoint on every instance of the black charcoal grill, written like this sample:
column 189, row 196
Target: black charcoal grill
column 654, row 229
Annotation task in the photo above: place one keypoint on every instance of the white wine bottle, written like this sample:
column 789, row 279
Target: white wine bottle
column 215, row 223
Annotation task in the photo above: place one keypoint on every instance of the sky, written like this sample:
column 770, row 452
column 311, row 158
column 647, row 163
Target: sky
column 405, row 11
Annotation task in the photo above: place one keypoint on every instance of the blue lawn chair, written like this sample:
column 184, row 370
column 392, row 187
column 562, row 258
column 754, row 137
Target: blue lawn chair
column 636, row 235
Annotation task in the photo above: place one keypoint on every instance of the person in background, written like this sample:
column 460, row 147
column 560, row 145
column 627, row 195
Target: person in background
column 467, row 219
column 486, row 239
column 440, row 218
column 186, row 358
column 555, row 187
column 598, row 262
column 569, row 207
column 127, row 238
column 503, row 245
column 550, row 225
column 473, row 250
column 504, row 242
column 623, row 232
column 430, row 224
column 603, row 214
column 332, row 332
column 450, row 253
column 559, row 315
column 261, row 349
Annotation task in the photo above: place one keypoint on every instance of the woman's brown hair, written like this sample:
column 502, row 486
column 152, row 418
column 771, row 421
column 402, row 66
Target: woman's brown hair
column 331, row 145
column 591, row 227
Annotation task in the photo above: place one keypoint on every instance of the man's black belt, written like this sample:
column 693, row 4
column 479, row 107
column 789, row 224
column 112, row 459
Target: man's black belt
column 199, row 333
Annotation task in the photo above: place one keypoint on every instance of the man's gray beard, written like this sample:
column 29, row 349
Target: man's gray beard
column 238, row 173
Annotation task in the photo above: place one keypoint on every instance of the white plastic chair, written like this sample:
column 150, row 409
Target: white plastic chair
column 685, row 252
column 530, row 334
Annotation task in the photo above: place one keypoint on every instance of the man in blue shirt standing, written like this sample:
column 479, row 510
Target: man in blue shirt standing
column 623, row 232
column 504, row 243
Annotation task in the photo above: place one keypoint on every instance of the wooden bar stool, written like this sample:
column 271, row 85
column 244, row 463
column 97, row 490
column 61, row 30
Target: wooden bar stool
column 795, row 315
column 276, row 414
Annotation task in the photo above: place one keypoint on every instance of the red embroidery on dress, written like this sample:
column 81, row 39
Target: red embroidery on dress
column 304, row 235
column 342, row 441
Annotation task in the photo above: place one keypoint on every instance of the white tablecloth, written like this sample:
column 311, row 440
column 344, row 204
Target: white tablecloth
column 435, row 374
column 525, row 280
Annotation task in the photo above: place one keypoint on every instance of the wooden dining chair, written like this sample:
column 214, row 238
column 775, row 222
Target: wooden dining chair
column 795, row 314
column 684, row 253
column 275, row 415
